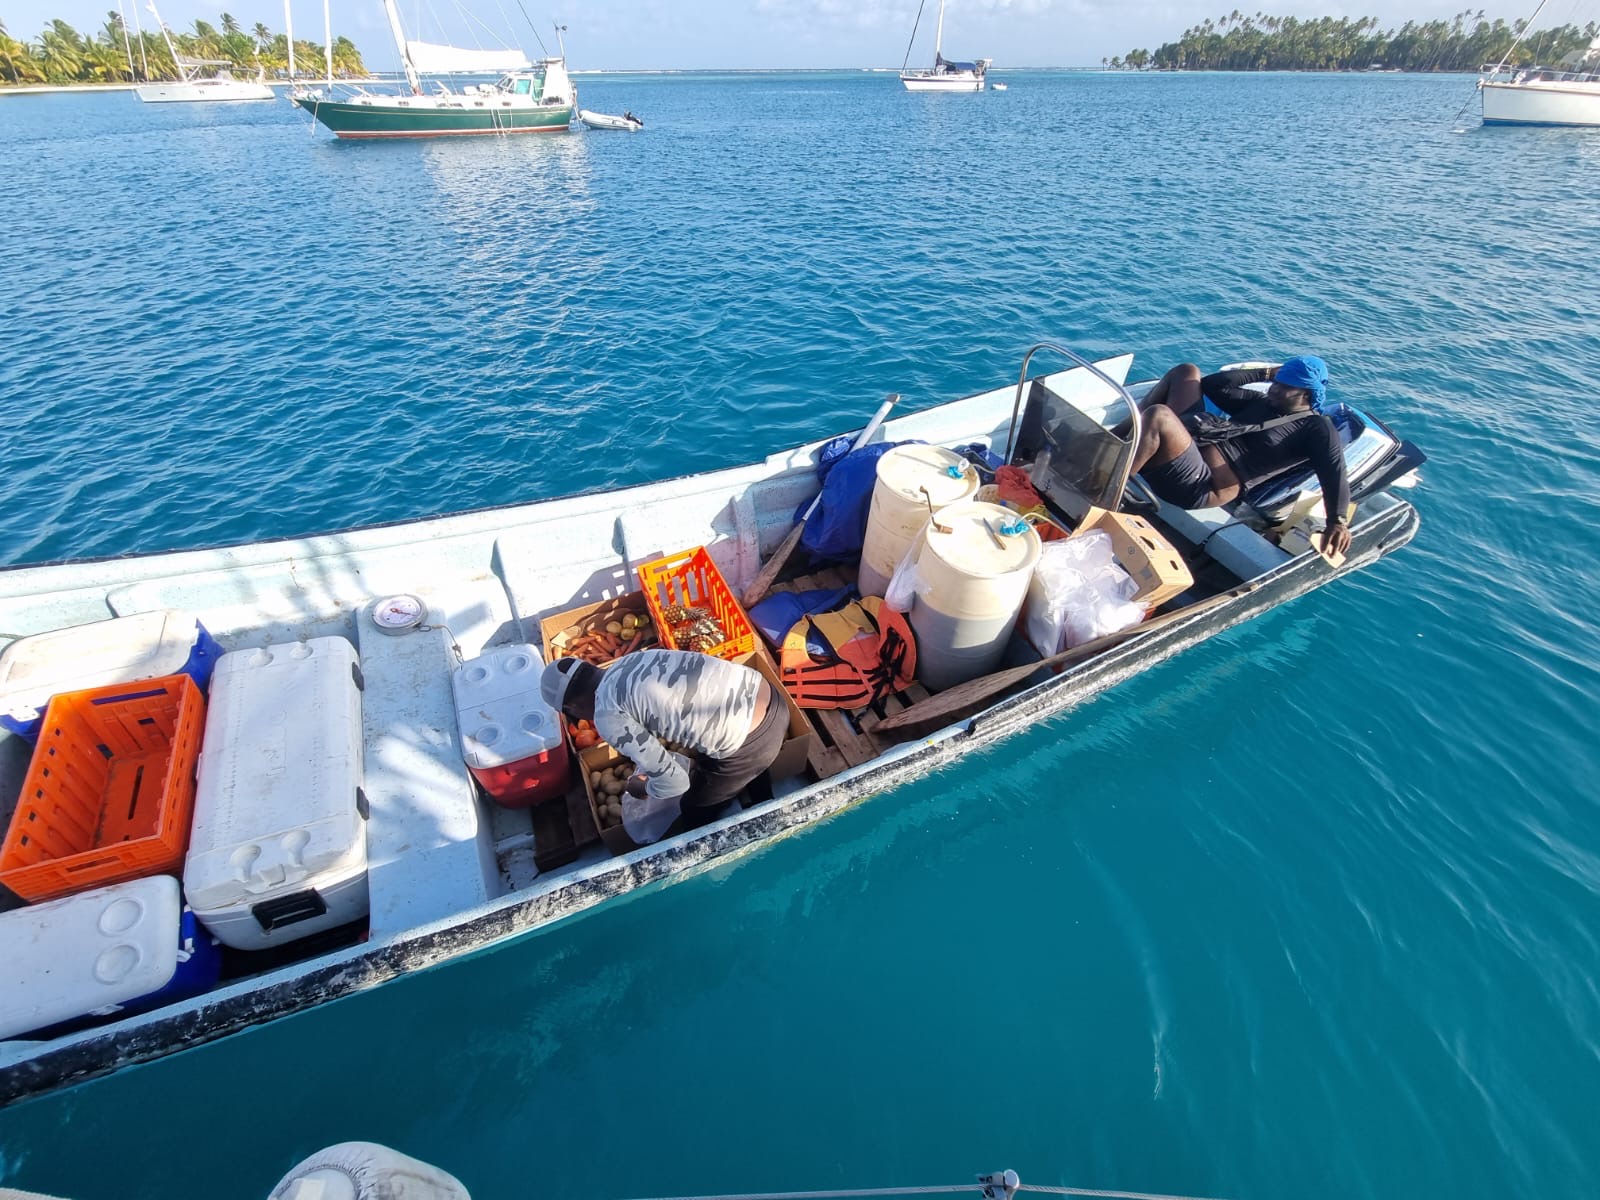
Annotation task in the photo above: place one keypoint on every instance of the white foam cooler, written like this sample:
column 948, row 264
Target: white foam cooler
column 278, row 850
column 165, row 641
column 65, row 958
column 511, row 739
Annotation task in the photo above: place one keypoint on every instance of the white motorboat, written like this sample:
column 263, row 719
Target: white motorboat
column 193, row 84
column 447, row 873
column 594, row 120
column 944, row 75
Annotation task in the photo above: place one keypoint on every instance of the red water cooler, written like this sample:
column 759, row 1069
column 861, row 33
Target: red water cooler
column 510, row 738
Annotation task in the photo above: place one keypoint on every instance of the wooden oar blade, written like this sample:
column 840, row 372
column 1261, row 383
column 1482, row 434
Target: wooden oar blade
column 974, row 691
column 762, row 583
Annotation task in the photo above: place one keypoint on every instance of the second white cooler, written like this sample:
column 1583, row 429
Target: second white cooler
column 279, row 846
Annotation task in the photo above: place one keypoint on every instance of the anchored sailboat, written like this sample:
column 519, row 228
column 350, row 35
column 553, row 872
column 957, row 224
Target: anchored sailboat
column 1565, row 94
column 192, row 84
column 944, row 75
column 527, row 98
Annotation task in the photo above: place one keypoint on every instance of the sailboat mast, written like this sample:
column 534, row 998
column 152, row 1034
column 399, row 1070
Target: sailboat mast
column 938, row 37
column 327, row 42
column 288, row 36
column 166, row 37
column 144, row 59
column 126, row 44
column 400, row 44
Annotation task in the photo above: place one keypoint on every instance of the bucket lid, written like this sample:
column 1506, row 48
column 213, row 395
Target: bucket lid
column 908, row 469
column 984, row 540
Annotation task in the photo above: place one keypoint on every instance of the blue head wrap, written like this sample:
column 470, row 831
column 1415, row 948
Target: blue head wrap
column 1309, row 372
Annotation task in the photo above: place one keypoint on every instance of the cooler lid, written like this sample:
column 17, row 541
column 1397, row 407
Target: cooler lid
column 123, row 649
column 984, row 540
column 947, row 476
column 65, row 958
column 501, row 732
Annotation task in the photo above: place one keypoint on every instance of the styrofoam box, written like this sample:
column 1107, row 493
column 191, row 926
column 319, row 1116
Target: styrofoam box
column 165, row 641
column 278, row 850
column 68, row 957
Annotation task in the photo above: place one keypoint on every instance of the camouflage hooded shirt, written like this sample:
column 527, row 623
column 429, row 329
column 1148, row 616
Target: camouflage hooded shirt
column 703, row 703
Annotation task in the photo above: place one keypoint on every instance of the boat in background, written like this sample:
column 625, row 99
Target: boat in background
column 527, row 98
column 191, row 85
column 999, row 87
column 596, row 120
column 944, row 75
column 1565, row 94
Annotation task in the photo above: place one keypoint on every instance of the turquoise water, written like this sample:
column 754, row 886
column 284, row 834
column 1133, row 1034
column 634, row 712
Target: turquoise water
column 1309, row 912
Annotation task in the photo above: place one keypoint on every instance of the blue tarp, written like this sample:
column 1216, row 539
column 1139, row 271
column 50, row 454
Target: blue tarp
column 838, row 527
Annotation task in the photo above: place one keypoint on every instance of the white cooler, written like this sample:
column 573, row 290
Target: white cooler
column 146, row 645
column 98, row 949
column 278, row 850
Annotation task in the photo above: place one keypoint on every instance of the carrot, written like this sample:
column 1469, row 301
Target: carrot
column 634, row 643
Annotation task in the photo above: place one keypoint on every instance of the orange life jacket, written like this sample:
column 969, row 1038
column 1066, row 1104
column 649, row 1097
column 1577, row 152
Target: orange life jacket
column 871, row 653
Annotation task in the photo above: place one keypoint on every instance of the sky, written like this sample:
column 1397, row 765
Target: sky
column 691, row 34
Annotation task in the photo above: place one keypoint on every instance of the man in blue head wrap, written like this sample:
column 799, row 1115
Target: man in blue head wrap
column 1196, row 460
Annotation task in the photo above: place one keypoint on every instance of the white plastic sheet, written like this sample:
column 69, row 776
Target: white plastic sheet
column 1086, row 594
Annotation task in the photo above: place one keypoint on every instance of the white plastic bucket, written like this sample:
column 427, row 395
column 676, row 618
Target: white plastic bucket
column 900, row 510
column 971, row 582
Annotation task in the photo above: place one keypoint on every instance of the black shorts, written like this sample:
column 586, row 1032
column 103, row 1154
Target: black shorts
column 716, row 781
column 1185, row 481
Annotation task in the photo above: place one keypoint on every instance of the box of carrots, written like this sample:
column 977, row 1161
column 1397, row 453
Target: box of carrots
column 598, row 633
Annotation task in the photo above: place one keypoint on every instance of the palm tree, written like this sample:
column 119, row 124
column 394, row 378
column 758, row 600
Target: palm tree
column 61, row 52
column 19, row 63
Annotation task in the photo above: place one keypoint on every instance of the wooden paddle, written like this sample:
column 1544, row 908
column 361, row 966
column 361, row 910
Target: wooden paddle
column 763, row 582
column 964, row 695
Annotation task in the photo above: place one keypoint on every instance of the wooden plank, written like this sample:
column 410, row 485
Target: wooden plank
column 825, row 761
column 554, row 842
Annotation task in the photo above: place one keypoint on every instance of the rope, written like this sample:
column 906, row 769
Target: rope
column 1071, row 1191
column 913, row 40
column 933, row 1191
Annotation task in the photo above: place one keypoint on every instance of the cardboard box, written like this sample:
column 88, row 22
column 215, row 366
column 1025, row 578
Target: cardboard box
column 796, row 750
column 557, row 632
column 1143, row 553
column 598, row 758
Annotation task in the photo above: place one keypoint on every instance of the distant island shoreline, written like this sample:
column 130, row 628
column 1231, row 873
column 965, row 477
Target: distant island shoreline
column 1467, row 43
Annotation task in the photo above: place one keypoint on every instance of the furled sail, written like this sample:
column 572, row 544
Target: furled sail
column 431, row 59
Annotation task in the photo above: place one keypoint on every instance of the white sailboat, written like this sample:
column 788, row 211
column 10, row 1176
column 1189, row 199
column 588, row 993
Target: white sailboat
column 1565, row 94
column 193, row 84
column 944, row 75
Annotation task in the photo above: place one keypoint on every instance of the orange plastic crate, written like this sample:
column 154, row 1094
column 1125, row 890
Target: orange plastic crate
column 110, row 791
column 692, row 580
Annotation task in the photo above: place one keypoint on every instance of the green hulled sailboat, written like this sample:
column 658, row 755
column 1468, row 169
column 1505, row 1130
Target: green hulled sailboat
column 527, row 98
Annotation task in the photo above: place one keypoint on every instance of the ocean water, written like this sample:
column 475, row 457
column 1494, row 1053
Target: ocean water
column 1311, row 911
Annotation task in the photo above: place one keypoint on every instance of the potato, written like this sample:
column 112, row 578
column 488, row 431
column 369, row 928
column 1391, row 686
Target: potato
column 612, row 787
column 595, row 778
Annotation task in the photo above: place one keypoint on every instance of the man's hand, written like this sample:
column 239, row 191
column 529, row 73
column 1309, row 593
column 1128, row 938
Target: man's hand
column 1335, row 539
column 638, row 783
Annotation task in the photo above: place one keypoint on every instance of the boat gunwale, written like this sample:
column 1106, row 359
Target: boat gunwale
column 102, row 1051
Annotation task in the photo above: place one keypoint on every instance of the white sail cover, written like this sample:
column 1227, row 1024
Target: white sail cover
column 431, row 59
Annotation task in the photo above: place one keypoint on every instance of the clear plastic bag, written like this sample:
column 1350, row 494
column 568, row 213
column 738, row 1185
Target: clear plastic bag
column 1086, row 594
column 647, row 819
column 905, row 585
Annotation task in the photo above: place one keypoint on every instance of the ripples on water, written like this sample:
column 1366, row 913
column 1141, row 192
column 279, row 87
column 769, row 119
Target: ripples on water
column 1308, row 912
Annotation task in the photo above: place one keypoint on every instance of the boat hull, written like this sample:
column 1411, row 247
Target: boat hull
column 383, row 118
column 949, row 81
column 1541, row 103
column 202, row 92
